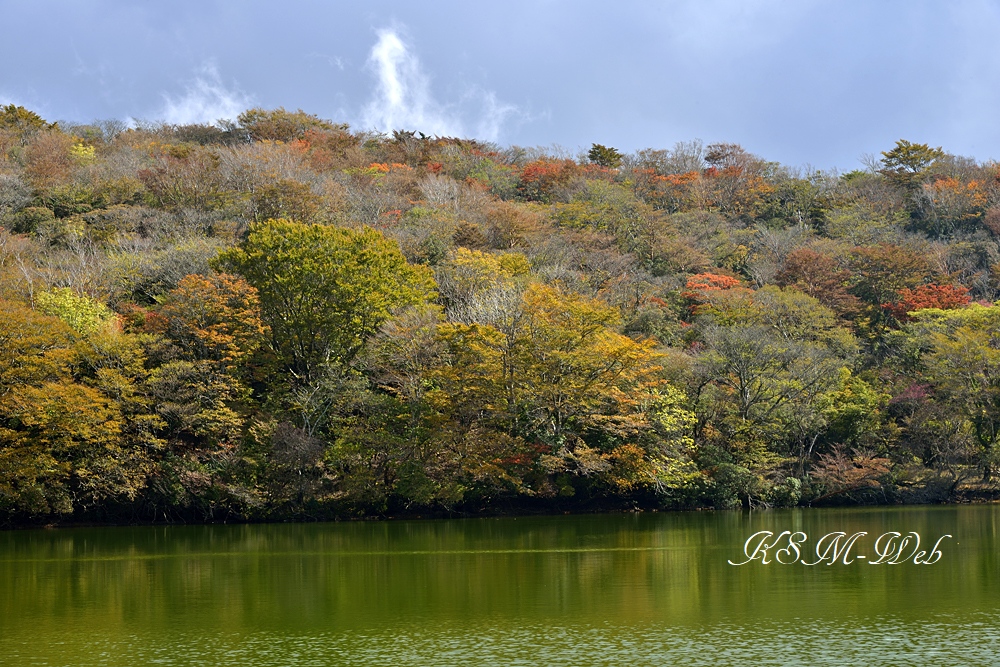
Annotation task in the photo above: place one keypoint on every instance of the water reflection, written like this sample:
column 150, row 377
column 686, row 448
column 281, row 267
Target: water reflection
column 618, row 589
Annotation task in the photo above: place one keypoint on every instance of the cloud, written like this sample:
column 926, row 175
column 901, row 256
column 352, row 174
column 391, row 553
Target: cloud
column 332, row 61
column 205, row 100
column 403, row 100
column 494, row 115
column 402, row 97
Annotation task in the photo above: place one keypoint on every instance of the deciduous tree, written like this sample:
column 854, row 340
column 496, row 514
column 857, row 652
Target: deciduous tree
column 324, row 291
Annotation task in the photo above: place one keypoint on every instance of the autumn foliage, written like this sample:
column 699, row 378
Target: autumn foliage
column 280, row 318
column 701, row 287
column 540, row 179
column 944, row 297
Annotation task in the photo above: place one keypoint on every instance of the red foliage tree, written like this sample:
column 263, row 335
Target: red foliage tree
column 701, row 286
column 945, row 297
column 541, row 177
column 820, row 277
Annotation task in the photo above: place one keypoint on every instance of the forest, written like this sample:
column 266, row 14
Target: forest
column 280, row 318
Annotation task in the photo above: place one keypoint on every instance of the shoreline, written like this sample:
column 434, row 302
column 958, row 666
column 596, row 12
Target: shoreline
column 442, row 515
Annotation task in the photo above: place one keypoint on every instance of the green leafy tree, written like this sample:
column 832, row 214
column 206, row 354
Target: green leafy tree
column 769, row 357
column 280, row 125
column 605, row 156
column 82, row 313
column 961, row 358
column 324, row 291
column 907, row 162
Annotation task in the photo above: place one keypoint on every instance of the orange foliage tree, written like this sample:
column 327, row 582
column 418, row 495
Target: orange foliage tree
column 948, row 203
column 540, row 178
column 702, row 286
column 670, row 192
column 214, row 317
column 944, row 297
column 820, row 277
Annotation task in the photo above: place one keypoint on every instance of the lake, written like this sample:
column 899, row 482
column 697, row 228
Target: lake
column 622, row 589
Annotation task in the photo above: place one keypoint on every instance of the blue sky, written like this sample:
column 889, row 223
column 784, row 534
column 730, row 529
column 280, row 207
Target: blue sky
column 803, row 82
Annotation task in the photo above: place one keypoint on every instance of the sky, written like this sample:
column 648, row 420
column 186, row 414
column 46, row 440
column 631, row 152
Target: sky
column 808, row 83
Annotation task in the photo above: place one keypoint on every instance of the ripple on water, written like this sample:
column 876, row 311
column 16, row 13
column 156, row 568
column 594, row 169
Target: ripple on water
column 939, row 641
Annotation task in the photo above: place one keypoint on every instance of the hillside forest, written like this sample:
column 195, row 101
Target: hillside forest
column 279, row 318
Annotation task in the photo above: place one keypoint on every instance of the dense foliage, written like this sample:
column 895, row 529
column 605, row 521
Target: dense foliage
column 279, row 318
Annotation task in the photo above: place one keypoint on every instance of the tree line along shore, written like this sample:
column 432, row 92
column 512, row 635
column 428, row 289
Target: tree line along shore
column 279, row 318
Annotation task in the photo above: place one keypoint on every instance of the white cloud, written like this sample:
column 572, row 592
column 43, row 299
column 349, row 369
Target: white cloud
column 403, row 100
column 205, row 100
column 402, row 97
column 332, row 61
column 494, row 115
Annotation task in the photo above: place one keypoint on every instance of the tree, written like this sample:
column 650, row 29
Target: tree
column 184, row 177
column 547, row 366
column 64, row 438
column 212, row 327
column 468, row 273
column 819, row 276
column 280, row 125
column 942, row 297
column 21, row 124
column 285, row 199
column 841, row 473
column 736, row 180
column 576, row 371
column 214, row 317
column 852, row 411
column 48, row 160
column 78, row 432
column 542, row 178
column 769, row 357
column 83, row 314
column 324, row 291
column 18, row 118
column 879, row 274
column 611, row 208
column 961, row 356
column 604, row 156
column 906, row 162
column 198, row 402
column 702, row 288
column 946, row 205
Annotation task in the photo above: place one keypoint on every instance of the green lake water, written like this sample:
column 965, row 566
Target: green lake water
column 626, row 589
